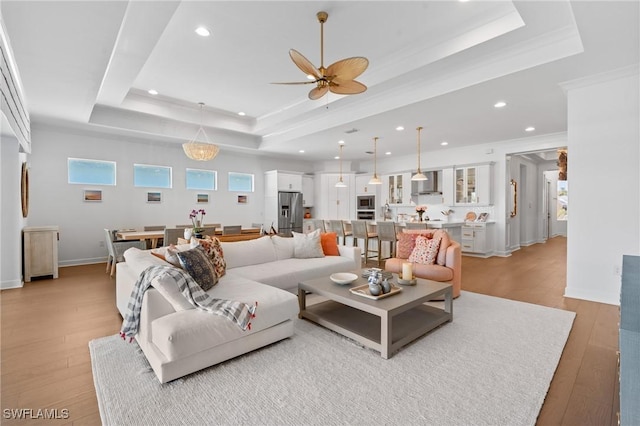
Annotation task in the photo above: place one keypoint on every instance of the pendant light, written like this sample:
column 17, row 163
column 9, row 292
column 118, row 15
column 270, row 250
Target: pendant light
column 340, row 183
column 200, row 151
column 375, row 180
column 419, row 175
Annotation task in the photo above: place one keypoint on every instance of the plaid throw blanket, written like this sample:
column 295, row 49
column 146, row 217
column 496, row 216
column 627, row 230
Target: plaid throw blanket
column 238, row 312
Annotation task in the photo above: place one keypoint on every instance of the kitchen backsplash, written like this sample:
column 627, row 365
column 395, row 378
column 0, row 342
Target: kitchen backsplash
column 434, row 211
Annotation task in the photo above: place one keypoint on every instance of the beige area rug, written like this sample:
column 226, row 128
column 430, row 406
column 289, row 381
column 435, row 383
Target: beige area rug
column 491, row 366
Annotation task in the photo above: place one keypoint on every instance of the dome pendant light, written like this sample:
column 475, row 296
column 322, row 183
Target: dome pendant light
column 340, row 183
column 200, row 151
column 418, row 176
column 375, row 180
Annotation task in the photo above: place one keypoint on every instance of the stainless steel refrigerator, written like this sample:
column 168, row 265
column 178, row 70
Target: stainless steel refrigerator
column 289, row 213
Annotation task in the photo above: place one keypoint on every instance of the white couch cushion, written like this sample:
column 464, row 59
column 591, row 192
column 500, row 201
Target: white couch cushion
column 283, row 246
column 251, row 252
column 187, row 332
column 306, row 246
column 287, row 273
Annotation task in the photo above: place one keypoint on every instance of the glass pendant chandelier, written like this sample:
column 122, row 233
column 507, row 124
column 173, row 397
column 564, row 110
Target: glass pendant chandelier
column 340, row 183
column 375, row 180
column 198, row 150
column 419, row 175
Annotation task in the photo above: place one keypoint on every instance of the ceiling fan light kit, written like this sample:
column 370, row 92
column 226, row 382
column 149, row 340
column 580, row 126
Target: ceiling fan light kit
column 197, row 150
column 419, row 175
column 338, row 78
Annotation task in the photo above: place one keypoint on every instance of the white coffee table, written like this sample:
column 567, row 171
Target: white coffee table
column 385, row 325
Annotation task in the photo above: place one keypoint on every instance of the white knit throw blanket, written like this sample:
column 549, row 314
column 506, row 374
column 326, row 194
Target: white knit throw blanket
column 238, row 312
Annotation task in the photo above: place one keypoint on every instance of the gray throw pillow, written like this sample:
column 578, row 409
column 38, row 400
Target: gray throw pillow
column 197, row 264
column 307, row 245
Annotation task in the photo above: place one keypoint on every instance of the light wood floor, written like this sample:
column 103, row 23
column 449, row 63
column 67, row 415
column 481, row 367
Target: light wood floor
column 47, row 324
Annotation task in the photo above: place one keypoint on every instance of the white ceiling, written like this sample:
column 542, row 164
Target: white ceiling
column 437, row 64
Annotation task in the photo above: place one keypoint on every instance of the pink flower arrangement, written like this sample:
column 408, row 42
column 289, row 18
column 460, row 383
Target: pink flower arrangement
column 421, row 209
column 197, row 223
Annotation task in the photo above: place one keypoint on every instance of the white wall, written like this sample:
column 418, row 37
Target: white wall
column 55, row 202
column 558, row 227
column 11, row 220
column 603, row 129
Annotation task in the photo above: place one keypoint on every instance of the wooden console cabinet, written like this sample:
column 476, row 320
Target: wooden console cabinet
column 40, row 251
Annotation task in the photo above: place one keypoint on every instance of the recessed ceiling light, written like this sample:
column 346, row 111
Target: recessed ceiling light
column 203, row 31
column 341, row 142
column 152, row 92
column 387, row 153
column 444, row 143
column 399, row 128
column 500, row 104
column 529, row 129
column 301, row 151
column 242, row 113
column 337, row 157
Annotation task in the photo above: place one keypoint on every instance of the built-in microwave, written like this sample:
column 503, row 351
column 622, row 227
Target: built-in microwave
column 366, row 202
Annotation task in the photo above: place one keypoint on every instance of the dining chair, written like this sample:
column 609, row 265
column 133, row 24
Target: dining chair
column 188, row 225
column 232, row 230
column 212, row 225
column 361, row 232
column 171, row 235
column 209, row 230
column 116, row 249
column 386, row 232
column 338, row 227
column 415, row 225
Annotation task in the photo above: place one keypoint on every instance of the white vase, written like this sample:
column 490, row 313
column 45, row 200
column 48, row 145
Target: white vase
column 187, row 233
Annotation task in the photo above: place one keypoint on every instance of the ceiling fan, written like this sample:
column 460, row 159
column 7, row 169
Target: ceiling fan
column 337, row 78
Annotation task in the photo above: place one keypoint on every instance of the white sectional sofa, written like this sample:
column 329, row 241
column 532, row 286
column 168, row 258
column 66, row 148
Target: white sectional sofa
column 179, row 340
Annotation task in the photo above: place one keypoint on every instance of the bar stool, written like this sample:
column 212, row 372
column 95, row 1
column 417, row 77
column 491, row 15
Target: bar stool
column 337, row 226
column 318, row 224
column 360, row 231
column 386, row 232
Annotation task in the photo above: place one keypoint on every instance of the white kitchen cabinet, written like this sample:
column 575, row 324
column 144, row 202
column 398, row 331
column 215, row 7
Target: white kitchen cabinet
column 332, row 202
column 477, row 238
column 363, row 187
column 40, row 250
column 276, row 180
column 473, row 185
column 307, row 191
column 448, row 187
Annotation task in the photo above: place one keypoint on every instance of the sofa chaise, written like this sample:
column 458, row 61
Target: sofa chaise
column 178, row 339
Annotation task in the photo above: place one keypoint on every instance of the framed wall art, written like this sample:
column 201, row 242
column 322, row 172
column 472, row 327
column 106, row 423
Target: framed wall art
column 92, row 195
column 202, row 198
column 154, row 197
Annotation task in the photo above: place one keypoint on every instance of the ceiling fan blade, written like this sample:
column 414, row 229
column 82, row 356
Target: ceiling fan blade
column 318, row 92
column 350, row 87
column 295, row 82
column 347, row 69
column 304, row 64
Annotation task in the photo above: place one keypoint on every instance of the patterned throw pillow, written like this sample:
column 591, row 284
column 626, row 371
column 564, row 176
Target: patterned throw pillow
column 329, row 244
column 213, row 248
column 199, row 266
column 425, row 251
column 306, row 246
column 405, row 244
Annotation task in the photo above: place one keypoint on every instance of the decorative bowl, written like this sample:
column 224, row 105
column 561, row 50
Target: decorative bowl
column 343, row 278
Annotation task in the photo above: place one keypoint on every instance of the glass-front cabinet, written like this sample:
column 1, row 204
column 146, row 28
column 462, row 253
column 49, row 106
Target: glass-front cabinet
column 394, row 190
column 473, row 185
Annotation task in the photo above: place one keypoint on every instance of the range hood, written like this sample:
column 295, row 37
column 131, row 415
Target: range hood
column 429, row 186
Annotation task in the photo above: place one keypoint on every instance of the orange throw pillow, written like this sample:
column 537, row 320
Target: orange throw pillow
column 329, row 244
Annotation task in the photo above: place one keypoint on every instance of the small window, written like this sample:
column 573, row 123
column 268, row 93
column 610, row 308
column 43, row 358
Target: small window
column 148, row 176
column 240, row 182
column 202, row 179
column 91, row 172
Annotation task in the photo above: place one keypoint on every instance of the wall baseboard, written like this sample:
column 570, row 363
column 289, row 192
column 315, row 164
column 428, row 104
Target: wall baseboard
column 6, row 285
column 79, row 262
column 593, row 296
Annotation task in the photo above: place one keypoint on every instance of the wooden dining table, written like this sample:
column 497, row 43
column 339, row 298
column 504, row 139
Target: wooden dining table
column 154, row 236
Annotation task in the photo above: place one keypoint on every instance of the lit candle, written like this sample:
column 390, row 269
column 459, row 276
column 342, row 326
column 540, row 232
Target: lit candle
column 407, row 271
